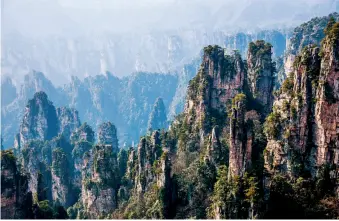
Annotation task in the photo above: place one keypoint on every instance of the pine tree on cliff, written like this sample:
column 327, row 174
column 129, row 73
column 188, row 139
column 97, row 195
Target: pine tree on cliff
column 157, row 119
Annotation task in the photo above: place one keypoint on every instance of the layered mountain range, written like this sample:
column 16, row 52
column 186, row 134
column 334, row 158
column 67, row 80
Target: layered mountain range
column 128, row 101
column 238, row 150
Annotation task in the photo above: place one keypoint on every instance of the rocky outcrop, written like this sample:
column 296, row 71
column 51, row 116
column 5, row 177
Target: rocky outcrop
column 260, row 75
column 83, row 133
column 36, row 158
column 100, row 182
column 238, row 137
column 311, row 32
column 149, row 152
column 68, row 121
column 39, row 122
column 80, row 148
column 61, row 179
column 327, row 105
column 43, row 122
column 131, row 164
column 107, row 134
column 16, row 200
column 290, row 127
column 157, row 119
column 219, row 79
column 143, row 167
column 303, row 130
column 214, row 147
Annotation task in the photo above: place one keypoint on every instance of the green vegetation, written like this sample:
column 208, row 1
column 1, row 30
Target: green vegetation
column 301, row 198
column 259, row 48
column 287, row 86
column 238, row 98
column 60, row 165
column 272, row 125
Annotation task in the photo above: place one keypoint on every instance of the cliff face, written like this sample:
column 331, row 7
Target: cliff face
column 327, row 106
column 149, row 151
column 83, row 133
column 157, row 119
column 68, row 121
column 219, row 79
column 40, row 120
column 300, row 137
column 100, row 181
column 306, row 34
column 16, row 200
column 107, row 134
column 261, row 71
column 61, row 179
column 238, row 138
column 213, row 162
column 35, row 159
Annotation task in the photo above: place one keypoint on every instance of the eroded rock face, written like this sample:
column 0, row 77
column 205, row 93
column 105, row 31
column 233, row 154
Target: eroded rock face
column 39, row 122
column 149, row 151
column 290, row 141
column 261, row 73
column 303, row 130
column 16, row 200
column 61, row 179
column 100, row 181
column 214, row 147
column 107, row 134
column 68, row 121
column 309, row 33
column 83, row 133
column 36, row 158
column 158, row 119
column 143, row 167
column 80, row 148
column 219, row 79
column 237, row 137
column 327, row 106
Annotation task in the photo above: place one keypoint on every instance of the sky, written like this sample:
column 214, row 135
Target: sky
column 75, row 17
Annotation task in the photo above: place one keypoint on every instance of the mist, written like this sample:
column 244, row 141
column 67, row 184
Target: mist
column 39, row 18
column 64, row 38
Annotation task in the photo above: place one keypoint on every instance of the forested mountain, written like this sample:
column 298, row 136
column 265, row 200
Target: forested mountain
column 126, row 101
column 239, row 149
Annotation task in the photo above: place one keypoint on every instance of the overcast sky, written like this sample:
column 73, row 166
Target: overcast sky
column 75, row 17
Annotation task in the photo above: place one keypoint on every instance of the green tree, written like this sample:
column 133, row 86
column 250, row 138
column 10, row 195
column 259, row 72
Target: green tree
column 329, row 26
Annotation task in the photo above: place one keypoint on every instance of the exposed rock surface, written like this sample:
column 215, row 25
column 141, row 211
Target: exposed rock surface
column 327, row 106
column 61, row 179
column 40, row 120
column 83, row 133
column 311, row 32
column 238, row 139
column 68, row 121
column 100, row 181
column 16, row 200
column 303, row 130
column 261, row 71
column 157, row 119
column 107, row 134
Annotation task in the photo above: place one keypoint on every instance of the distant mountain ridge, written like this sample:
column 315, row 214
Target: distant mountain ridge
column 128, row 101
